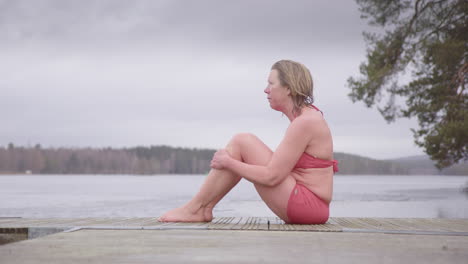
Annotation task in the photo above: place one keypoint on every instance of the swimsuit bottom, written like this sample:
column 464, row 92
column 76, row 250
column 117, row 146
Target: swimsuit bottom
column 305, row 207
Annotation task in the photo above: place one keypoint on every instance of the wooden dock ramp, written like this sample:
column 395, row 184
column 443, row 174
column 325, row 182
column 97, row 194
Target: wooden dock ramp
column 233, row 240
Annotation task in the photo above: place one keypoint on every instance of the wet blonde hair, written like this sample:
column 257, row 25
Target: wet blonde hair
column 297, row 78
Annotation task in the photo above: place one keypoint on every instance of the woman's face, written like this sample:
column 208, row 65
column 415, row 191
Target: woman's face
column 277, row 94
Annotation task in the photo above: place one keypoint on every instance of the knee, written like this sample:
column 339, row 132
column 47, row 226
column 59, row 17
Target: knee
column 240, row 138
column 235, row 145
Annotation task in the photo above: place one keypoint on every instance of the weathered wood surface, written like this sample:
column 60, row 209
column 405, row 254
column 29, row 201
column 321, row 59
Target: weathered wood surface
column 334, row 224
column 234, row 240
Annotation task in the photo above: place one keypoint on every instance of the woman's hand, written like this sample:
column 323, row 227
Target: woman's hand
column 220, row 159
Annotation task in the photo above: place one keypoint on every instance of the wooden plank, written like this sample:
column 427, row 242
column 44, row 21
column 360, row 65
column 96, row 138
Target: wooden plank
column 226, row 246
column 334, row 224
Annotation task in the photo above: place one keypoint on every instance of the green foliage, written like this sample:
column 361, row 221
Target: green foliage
column 429, row 39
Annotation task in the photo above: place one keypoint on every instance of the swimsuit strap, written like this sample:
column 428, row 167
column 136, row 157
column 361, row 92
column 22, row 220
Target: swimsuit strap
column 313, row 106
column 335, row 166
column 334, row 162
column 310, row 161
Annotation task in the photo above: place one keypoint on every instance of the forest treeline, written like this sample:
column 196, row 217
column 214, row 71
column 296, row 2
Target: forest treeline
column 136, row 160
column 171, row 160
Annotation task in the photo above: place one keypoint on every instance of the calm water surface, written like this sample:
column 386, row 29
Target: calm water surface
column 150, row 196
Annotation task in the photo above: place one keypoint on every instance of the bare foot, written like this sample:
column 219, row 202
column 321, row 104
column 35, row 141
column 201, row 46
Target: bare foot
column 182, row 214
column 208, row 213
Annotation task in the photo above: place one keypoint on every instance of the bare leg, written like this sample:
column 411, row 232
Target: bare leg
column 247, row 148
column 216, row 185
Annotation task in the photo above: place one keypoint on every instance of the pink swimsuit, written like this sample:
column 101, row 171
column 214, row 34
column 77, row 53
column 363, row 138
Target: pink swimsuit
column 304, row 206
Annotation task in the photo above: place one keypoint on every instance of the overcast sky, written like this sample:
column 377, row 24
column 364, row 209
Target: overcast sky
column 179, row 73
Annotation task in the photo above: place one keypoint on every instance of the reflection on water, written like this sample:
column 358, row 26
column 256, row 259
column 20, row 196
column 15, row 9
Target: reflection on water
column 150, row 196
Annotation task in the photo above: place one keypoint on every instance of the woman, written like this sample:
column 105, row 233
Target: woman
column 295, row 181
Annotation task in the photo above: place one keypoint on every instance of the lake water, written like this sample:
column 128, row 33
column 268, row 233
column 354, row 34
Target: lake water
column 149, row 196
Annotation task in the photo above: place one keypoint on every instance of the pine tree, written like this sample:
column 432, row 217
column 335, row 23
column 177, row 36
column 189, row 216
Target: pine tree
column 428, row 39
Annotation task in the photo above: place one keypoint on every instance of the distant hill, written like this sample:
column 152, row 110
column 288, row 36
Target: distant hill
column 422, row 164
column 170, row 160
column 412, row 165
column 355, row 164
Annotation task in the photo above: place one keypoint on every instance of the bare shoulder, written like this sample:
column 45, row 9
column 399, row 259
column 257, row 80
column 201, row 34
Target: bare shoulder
column 309, row 120
column 314, row 126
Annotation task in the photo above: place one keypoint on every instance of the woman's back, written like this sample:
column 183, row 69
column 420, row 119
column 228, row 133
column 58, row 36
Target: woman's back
column 317, row 178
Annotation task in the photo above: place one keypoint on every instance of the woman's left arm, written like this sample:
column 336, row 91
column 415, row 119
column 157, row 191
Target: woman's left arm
column 282, row 161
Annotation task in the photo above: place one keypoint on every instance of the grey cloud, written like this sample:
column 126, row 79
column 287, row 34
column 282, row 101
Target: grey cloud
column 274, row 20
column 68, row 21
column 207, row 23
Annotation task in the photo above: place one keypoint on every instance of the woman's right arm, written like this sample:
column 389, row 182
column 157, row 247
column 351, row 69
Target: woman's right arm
column 283, row 160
